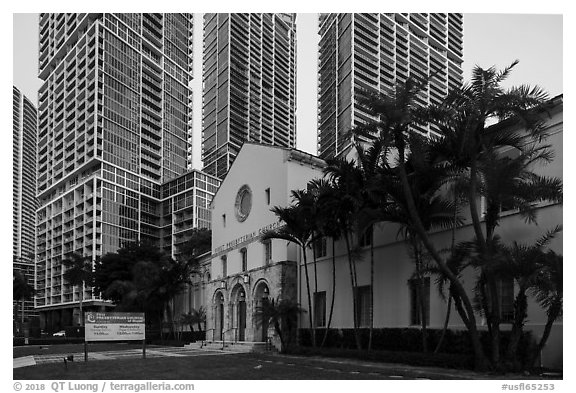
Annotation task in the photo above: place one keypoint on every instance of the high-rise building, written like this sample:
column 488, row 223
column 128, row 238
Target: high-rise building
column 114, row 124
column 185, row 206
column 249, row 75
column 375, row 52
column 24, row 204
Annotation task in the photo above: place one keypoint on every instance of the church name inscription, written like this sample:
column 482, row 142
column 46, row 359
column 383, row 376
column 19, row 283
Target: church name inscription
column 246, row 238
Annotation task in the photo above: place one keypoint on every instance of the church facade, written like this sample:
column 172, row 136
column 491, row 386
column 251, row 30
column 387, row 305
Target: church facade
column 242, row 270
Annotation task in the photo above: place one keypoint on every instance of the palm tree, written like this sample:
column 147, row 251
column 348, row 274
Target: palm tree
column 327, row 226
column 199, row 316
column 509, row 182
column 282, row 315
column 307, row 201
column 435, row 211
column 397, row 115
column 463, row 120
column 78, row 273
column 21, row 291
column 299, row 230
column 346, row 203
column 548, row 290
column 369, row 162
column 471, row 145
column 525, row 264
column 195, row 316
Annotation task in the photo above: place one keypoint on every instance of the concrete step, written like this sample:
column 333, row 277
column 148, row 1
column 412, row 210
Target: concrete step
column 238, row 346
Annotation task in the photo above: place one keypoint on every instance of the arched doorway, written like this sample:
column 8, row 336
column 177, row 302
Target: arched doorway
column 218, row 316
column 239, row 299
column 261, row 298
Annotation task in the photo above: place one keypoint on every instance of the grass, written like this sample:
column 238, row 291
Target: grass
column 202, row 367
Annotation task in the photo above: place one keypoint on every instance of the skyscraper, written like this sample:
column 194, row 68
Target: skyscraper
column 24, row 203
column 249, row 74
column 114, row 123
column 376, row 51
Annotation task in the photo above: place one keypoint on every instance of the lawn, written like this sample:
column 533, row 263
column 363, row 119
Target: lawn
column 202, row 367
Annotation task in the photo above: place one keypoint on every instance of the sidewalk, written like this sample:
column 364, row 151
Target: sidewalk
column 424, row 372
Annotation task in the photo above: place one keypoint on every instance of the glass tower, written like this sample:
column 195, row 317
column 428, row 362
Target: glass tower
column 375, row 52
column 249, row 74
column 115, row 121
column 24, row 202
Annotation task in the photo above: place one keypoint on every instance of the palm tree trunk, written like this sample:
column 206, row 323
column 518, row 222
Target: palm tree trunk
column 421, row 289
column 472, row 194
column 312, row 330
column 333, row 293
column 552, row 316
column 371, row 292
column 479, row 357
column 445, row 327
column 354, row 283
column 315, row 286
column 520, row 314
column 449, row 306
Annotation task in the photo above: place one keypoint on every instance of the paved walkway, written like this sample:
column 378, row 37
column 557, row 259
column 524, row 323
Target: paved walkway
column 402, row 371
column 124, row 354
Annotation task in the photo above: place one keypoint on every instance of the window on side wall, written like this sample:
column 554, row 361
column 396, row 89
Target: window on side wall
column 510, row 153
column 366, row 238
column 363, row 304
column 320, row 309
column 267, row 252
column 416, row 293
column 224, row 266
column 267, row 191
column 506, row 294
column 320, row 247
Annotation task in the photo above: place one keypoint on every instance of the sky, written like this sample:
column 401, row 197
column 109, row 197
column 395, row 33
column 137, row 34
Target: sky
column 489, row 39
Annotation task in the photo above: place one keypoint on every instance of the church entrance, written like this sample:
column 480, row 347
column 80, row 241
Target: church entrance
column 219, row 317
column 261, row 304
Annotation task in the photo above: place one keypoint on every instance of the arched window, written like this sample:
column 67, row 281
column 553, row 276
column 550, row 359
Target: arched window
column 244, row 257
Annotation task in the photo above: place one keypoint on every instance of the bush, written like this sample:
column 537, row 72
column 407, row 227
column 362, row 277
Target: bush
column 416, row 359
column 408, row 340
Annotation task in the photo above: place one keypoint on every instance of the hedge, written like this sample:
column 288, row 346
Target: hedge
column 408, row 340
column 456, row 361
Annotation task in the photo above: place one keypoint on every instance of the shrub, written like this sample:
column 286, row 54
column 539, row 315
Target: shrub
column 456, row 361
column 407, row 340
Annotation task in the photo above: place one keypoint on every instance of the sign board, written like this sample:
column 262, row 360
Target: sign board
column 114, row 326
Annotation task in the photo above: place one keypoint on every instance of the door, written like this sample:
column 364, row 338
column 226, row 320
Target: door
column 219, row 321
column 241, row 320
column 264, row 336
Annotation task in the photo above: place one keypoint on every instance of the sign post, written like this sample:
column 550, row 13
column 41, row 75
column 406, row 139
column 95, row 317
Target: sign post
column 114, row 326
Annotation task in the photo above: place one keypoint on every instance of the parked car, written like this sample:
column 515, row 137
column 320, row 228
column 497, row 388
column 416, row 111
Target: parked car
column 61, row 333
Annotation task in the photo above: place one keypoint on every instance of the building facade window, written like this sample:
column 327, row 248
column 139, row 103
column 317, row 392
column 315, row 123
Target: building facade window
column 267, row 252
column 267, row 191
column 320, row 309
column 244, row 258
column 224, row 265
column 320, row 247
column 415, row 303
column 366, row 238
column 363, row 305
